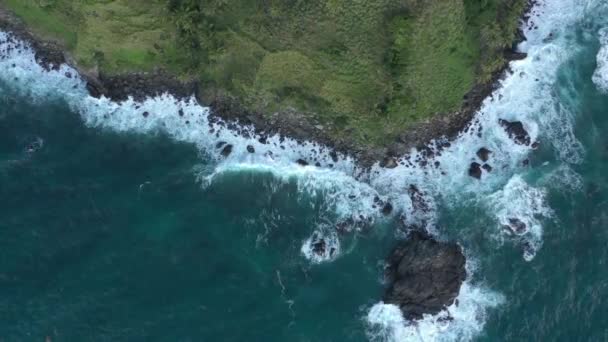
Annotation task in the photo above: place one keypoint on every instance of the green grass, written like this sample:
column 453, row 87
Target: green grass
column 116, row 36
column 368, row 69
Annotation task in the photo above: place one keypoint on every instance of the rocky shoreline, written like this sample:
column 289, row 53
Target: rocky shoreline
column 297, row 125
column 424, row 276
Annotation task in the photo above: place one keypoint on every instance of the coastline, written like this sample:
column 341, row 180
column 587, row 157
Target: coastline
column 300, row 126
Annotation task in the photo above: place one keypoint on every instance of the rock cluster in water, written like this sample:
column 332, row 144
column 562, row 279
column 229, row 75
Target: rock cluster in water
column 425, row 275
column 516, row 131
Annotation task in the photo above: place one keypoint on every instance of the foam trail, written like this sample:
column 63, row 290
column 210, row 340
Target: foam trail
column 600, row 76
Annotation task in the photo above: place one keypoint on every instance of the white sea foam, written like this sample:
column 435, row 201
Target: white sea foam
column 526, row 95
column 600, row 76
column 461, row 321
column 563, row 179
column 519, row 203
column 322, row 245
column 342, row 195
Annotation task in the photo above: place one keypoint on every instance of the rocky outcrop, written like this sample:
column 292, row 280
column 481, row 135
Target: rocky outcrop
column 139, row 85
column 516, row 131
column 424, row 275
column 226, row 151
column 475, row 170
column 483, row 154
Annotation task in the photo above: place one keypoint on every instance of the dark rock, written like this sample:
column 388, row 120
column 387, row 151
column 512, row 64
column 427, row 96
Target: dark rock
column 526, row 162
column 475, row 170
column 483, row 154
column 334, row 156
column 535, row 145
column 145, row 114
column 387, row 208
column 180, row 112
column 424, row 275
column 226, row 150
column 487, row 167
column 514, row 55
column 220, row 144
column 417, row 198
column 250, row 149
column 516, row 131
column 302, row 162
column 389, row 163
column 319, row 246
column 517, row 226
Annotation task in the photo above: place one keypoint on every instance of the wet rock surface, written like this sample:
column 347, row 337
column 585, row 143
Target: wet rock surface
column 424, row 275
column 226, row 151
column 517, row 226
column 483, row 154
column 475, row 170
column 516, row 131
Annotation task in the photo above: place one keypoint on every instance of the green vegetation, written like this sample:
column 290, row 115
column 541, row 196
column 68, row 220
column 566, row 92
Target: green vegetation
column 368, row 69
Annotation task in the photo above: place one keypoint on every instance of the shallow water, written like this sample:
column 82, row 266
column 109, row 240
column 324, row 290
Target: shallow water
column 115, row 226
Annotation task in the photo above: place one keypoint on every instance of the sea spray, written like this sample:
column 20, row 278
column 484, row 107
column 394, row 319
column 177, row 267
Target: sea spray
column 461, row 321
column 600, row 76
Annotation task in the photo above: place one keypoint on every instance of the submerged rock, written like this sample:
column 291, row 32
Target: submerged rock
column 483, row 154
column 302, row 162
column 516, row 131
column 387, row 209
column 318, row 246
column 250, row 149
column 417, row 198
column 517, row 226
column 475, row 170
column 226, row 150
column 424, row 275
column 487, row 167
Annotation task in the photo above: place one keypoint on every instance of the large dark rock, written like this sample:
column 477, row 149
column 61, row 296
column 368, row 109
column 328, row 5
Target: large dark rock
column 424, row 275
column 475, row 170
column 516, row 131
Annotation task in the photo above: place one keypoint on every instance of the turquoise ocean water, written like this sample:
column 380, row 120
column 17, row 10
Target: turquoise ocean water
column 116, row 227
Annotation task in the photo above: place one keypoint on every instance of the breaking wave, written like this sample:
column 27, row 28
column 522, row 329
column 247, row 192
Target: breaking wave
column 461, row 321
column 600, row 76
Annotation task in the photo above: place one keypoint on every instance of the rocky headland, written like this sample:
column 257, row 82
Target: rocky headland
column 424, row 275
